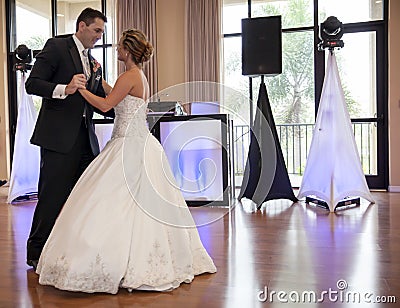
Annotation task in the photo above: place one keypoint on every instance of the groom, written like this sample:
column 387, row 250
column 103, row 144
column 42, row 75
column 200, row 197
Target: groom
column 64, row 128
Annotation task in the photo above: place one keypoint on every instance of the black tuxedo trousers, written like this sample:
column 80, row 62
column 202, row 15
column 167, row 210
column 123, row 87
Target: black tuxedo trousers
column 59, row 172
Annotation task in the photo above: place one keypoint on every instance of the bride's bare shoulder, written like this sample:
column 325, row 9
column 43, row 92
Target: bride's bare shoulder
column 136, row 82
column 128, row 78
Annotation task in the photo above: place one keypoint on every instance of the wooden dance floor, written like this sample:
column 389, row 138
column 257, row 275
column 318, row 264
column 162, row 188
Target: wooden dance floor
column 284, row 255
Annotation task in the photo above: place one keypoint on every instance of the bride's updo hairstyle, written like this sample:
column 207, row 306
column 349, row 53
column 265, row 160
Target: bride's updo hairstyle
column 137, row 45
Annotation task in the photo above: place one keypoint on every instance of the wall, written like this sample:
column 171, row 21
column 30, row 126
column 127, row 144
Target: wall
column 170, row 42
column 4, row 144
column 394, row 95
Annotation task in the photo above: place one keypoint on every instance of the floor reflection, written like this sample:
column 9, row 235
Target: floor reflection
column 283, row 247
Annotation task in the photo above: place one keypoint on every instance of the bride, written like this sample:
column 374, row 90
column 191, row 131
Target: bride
column 125, row 224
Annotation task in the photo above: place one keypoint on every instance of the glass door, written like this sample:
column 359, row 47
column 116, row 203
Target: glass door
column 361, row 69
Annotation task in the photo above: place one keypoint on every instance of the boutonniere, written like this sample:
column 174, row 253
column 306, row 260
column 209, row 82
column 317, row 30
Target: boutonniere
column 95, row 65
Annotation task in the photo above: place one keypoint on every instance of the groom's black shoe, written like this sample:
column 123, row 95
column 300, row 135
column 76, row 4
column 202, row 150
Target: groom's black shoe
column 33, row 263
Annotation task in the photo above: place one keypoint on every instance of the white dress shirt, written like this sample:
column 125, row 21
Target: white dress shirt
column 59, row 90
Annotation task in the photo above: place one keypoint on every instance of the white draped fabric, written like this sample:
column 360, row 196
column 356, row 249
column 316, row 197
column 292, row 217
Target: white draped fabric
column 26, row 160
column 103, row 133
column 333, row 170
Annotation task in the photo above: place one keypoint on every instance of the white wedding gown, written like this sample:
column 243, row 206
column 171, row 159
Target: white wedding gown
column 125, row 223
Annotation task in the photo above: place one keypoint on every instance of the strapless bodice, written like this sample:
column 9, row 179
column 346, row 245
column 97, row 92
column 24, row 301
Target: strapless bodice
column 130, row 118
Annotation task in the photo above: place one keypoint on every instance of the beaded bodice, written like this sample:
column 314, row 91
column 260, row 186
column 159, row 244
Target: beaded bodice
column 130, row 118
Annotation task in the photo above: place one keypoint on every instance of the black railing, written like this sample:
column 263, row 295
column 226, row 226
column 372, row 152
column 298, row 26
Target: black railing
column 295, row 141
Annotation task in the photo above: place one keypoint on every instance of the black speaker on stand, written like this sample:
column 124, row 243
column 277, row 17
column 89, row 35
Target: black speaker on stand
column 261, row 46
column 262, row 56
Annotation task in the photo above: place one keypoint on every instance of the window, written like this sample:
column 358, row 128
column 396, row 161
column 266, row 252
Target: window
column 294, row 14
column 294, row 94
column 351, row 11
column 30, row 13
column 33, row 22
column 38, row 14
column 34, row 14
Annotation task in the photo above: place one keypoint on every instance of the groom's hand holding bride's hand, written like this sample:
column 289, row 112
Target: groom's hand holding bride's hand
column 77, row 82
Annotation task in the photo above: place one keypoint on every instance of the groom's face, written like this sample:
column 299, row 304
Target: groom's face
column 90, row 34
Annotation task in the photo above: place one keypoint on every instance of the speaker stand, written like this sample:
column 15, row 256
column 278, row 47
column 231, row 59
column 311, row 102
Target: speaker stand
column 255, row 179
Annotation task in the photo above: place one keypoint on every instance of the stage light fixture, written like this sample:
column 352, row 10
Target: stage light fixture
column 23, row 58
column 331, row 32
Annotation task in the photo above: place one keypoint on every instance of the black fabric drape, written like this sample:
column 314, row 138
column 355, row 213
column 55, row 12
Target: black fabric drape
column 265, row 177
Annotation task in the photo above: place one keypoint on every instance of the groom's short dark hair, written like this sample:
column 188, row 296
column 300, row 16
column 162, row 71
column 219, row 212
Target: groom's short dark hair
column 88, row 15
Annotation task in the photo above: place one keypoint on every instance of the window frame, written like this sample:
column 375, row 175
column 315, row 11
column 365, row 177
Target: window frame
column 380, row 181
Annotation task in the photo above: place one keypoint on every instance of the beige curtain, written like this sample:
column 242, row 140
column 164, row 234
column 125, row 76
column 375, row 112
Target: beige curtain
column 140, row 14
column 203, row 45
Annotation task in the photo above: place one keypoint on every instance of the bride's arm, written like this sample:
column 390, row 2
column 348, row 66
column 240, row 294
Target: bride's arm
column 122, row 87
column 107, row 88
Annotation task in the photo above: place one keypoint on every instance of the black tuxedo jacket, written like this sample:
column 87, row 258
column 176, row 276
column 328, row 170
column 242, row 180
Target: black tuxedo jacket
column 59, row 120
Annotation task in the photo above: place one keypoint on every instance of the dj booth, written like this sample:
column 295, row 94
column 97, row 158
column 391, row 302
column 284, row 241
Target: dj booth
column 198, row 148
